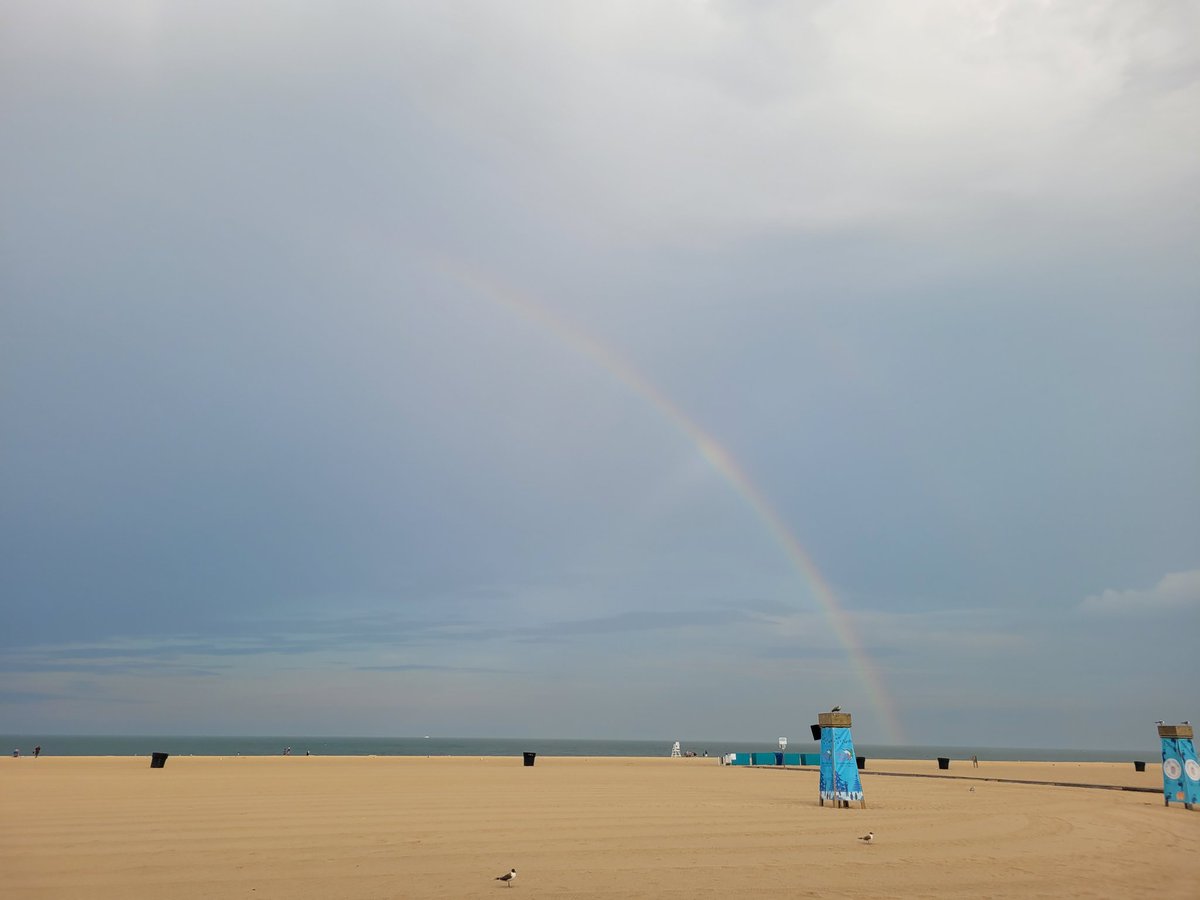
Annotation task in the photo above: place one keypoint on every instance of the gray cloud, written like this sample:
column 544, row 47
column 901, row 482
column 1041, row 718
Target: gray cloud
column 636, row 622
column 31, row 697
column 424, row 668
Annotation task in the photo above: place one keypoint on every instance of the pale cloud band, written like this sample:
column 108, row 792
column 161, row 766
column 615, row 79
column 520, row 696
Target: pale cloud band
column 1174, row 592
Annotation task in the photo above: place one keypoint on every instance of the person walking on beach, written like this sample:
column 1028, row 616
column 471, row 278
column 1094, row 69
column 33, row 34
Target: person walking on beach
column 37, row 751
column 974, row 761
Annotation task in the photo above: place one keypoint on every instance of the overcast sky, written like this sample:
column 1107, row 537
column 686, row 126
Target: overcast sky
column 656, row 369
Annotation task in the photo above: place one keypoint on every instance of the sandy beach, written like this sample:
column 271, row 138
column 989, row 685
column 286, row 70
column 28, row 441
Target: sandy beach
column 384, row 827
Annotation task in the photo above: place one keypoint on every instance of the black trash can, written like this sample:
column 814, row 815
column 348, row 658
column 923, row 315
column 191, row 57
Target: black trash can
column 943, row 762
column 778, row 758
column 861, row 761
column 816, row 732
column 1139, row 765
column 158, row 760
column 529, row 758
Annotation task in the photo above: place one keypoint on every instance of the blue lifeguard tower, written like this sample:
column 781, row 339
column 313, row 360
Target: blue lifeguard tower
column 839, row 768
column 1181, row 771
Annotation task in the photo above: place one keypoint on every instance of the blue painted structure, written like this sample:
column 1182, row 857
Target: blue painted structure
column 1181, row 771
column 839, row 780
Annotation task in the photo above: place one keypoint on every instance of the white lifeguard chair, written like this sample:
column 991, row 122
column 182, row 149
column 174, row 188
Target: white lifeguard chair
column 675, row 754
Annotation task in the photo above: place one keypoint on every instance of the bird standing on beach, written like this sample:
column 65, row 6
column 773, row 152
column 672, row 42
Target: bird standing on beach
column 507, row 877
column 868, row 838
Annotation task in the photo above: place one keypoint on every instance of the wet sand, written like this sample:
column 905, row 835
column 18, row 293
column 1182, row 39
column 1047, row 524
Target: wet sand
column 390, row 827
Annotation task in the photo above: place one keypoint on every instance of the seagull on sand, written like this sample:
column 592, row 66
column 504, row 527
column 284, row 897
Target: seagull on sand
column 507, row 877
column 868, row 838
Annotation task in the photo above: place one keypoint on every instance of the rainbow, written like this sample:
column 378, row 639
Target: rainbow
column 721, row 461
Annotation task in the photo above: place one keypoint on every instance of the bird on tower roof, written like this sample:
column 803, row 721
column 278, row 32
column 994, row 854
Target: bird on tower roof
column 836, row 709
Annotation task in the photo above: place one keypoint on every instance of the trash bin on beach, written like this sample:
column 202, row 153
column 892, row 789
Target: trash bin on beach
column 1139, row 765
column 529, row 758
column 158, row 760
column 816, row 731
column 943, row 762
column 861, row 761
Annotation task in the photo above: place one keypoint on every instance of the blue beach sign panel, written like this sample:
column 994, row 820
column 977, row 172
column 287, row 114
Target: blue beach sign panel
column 1181, row 771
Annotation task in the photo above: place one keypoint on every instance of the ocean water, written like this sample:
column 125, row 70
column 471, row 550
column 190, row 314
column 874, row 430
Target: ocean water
column 185, row 745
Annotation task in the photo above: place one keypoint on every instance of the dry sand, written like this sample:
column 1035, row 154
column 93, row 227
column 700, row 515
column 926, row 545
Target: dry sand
column 384, row 827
